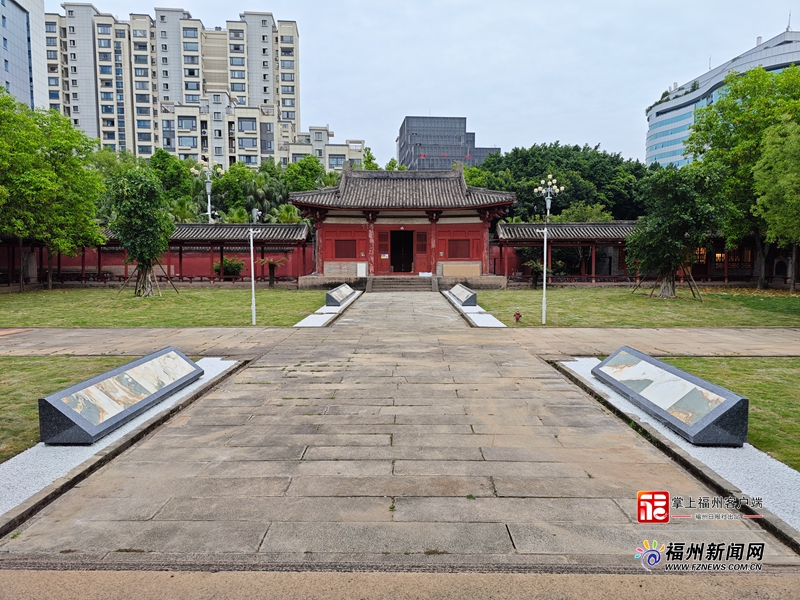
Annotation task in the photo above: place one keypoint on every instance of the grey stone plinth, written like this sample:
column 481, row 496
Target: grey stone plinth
column 338, row 295
column 464, row 296
column 702, row 412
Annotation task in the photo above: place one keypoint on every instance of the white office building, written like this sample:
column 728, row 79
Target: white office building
column 23, row 51
column 670, row 118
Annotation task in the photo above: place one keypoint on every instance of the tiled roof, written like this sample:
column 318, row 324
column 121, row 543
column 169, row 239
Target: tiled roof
column 279, row 233
column 399, row 190
column 533, row 232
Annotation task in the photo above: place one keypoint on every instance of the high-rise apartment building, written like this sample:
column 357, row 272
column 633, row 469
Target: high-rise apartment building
column 434, row 143
column 670, row 118
column 23, row 51
column 219, row 95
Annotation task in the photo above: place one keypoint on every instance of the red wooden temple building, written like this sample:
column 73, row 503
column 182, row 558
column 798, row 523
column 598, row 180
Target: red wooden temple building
column 383, row 223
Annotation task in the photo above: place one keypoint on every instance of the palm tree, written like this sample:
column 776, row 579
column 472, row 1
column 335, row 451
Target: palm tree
column 285, row 213
column 331, row 179
column 235, row 215
column 184, row 210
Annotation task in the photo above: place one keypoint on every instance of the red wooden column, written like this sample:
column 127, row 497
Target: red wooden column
column 59, row 266
column 41, row 262
column 211, row 259
column 99, row 262
column 296, row 265
column 169, row 260
column 726, row 265
column 583, row 263
column 371, row 216
column 504, row 256
column 594, row 263
column 304, row 260
column 262, row 262
column 222, row 259
column 433, row 218
column 623, row 260
column 83, row 264
column 710, row 261
column 125, row 260
column 180, row 262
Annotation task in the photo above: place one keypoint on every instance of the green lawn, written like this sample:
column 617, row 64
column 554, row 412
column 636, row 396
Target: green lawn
column 24, row 380
column 198, row 307
column 771, row 386
column 618, row 307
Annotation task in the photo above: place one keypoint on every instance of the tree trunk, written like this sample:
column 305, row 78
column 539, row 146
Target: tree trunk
column 793, row 276
column 21, row 267
column 272, row 275
column 49, row 269
column 667, row 289
column 144, row 280
column 534, row 280
column 762, row 248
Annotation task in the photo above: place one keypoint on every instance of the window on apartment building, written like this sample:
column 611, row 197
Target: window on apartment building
column 249, row 160
column 287, row 102
column 318, row 135
column 49, row 27
column 237, row 74
column 190, row 32
column 237, row 87
column 318, row 153
column 237, row 61
column 191, row 46
column 141, row 72
column 287, row 114
column 247, row 124
column 144, row 137
column 236, row 34
column 163, row 34
column 54, row 94
column 73, row 56
column 287, row 51
column 143, row 111
column 187, row 123
column 168, row 124
column 74, row 95
column 265, row 64
column 287, row 39
column 163, row 18
column 105, row 70
column 104, row 56
column 4, row 21
column 287, row 89
column 73, row 69
column 73, row 82
column 106, row 95
column 76, row 109
column 103, row 29
column 142, row 124
column 216, row 98
column 248, row 142
column 217, row 150
column 336, row 161
column 142, row 97
column 267, row 145
column 237, row 48
column 51, row 54
column 193, row 86
column 163, row 47
column 140, row 46
column 218, row 133
column 189, row 141
column 164, row 86
column 108, row 122
column 140, row 33
column 50, row 80
column 266, row 89
column 120, row 33
column 287, row 76
column 106, row 109
column 142, row 85
column 192, row 98
column 191, row 60
column 266, row 127
column 140, row 59
column 217, row 116
column 51, row 41
column 287, row 64
column 144, row 149
column 191, row 72
column 119, row 85
column 104, row 43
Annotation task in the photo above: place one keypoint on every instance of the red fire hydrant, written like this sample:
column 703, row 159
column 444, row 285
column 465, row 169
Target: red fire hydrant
column 517, row 316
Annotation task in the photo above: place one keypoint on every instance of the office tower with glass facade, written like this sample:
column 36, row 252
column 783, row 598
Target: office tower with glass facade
column 435, row 143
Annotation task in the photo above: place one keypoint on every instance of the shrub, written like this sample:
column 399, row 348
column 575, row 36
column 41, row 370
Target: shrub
column 230, row 267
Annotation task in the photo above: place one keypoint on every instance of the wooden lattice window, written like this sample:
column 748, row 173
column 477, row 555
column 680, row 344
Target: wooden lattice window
column 345, row 249
column 383, row 242
column 458, row 248
column 422, row 242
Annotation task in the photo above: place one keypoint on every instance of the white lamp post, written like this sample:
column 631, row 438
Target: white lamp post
column 256, row 213
column 208, row 193
column 548, row 189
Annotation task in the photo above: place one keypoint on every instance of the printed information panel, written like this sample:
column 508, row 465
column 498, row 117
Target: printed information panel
column 703, row 413
column 87, row 411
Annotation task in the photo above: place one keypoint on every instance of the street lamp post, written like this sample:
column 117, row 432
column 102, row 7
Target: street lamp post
column 208, row 193
column 256, row 214
column 548, row 189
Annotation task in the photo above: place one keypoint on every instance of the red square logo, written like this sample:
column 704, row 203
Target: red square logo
column 652, row 507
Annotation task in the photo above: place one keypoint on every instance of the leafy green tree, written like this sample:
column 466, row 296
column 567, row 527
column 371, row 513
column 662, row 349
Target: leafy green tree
column 304, row 174
column 174, row 173
column 230, row 188
column 331, row 179
column 69, row 222
column 580, row 212
column 112, row 165
column 393, row 165
column 285, row 213
column 729, row 135
column 26, row 180
column 777, row 182
column 141, row 222
column 680, row 215
column 184, row 210
column 369, row 163
column 237, row 214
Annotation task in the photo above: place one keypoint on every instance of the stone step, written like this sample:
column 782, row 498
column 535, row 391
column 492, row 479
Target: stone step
column 401, row 284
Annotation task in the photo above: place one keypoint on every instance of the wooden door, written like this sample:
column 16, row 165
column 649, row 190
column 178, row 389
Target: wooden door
column 421, row 252
column 383, row 261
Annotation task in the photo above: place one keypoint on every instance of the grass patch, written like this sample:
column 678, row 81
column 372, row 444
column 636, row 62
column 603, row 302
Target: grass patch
column 771, row 386
column 24, row 380
column 618, row 307
column 199, row 307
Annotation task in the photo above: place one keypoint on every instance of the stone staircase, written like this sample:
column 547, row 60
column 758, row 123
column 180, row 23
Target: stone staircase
column 401, row 284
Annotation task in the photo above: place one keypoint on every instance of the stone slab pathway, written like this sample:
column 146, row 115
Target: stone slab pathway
column 395, row 439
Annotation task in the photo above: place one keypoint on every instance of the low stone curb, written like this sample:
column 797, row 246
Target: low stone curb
column 21, row 513
column 770, row 522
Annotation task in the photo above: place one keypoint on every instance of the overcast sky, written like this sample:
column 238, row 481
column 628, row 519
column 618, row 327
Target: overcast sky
column 521, row 71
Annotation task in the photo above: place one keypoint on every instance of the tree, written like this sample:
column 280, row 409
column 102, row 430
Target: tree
column 369, row 163
column 680, row 216
column 112, row 165
column 26, row 180
column 777, row 182
column 729, row 135
column 174, row 173
column 230, row 188
column 580, row 212
column 331, row 179
column 141, row 222
column 393, row 165
column 285, row 213
column 69, row 221
column 304, row 174
column 272, row 264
